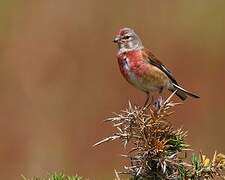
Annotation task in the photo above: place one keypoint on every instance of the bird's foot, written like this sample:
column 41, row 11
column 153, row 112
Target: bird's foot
column 158, row 103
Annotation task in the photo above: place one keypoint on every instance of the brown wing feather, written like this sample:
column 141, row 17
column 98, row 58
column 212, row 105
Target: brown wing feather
column 155, row 62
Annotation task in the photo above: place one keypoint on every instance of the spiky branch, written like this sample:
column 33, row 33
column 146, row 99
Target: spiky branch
column 158, row 151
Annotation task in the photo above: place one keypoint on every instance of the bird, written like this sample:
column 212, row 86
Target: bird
column 142, row 69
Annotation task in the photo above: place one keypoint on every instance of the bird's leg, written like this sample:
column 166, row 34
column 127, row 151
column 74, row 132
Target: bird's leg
column 147, row 99
column 160, row 92
column 158, row 103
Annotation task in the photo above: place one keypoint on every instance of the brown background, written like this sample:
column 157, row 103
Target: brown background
column 59, row 78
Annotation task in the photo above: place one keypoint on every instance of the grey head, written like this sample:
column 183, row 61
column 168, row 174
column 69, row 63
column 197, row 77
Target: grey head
column 127, row 40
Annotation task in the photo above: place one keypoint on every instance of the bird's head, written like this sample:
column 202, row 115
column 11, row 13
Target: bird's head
column 127, row 40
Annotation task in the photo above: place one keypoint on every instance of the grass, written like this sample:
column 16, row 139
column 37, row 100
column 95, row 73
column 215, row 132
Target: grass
column 54, row 176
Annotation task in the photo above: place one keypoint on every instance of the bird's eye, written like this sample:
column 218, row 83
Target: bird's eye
column 126, row 37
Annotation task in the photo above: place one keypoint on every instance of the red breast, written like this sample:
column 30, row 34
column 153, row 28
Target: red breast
column 131, row 61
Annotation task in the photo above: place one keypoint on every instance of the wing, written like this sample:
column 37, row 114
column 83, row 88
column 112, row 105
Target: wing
column 155, row 62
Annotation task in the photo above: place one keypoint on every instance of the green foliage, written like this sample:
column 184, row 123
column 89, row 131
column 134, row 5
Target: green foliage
column 55, row 176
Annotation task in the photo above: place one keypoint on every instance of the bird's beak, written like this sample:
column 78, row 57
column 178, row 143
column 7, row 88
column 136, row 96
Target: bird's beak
column 116, row 39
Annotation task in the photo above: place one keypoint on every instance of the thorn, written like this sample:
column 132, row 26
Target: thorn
column 117, row 175
column 130, row 106
column 111, row 138
column 169, row 98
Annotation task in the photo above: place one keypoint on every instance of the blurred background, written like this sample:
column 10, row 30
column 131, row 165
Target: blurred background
column 59, row 79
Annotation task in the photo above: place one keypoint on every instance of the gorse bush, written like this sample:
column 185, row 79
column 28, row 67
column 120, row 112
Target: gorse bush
column 156, row 149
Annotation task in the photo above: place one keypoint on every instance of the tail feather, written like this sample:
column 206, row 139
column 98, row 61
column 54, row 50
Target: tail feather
column 182, row 93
